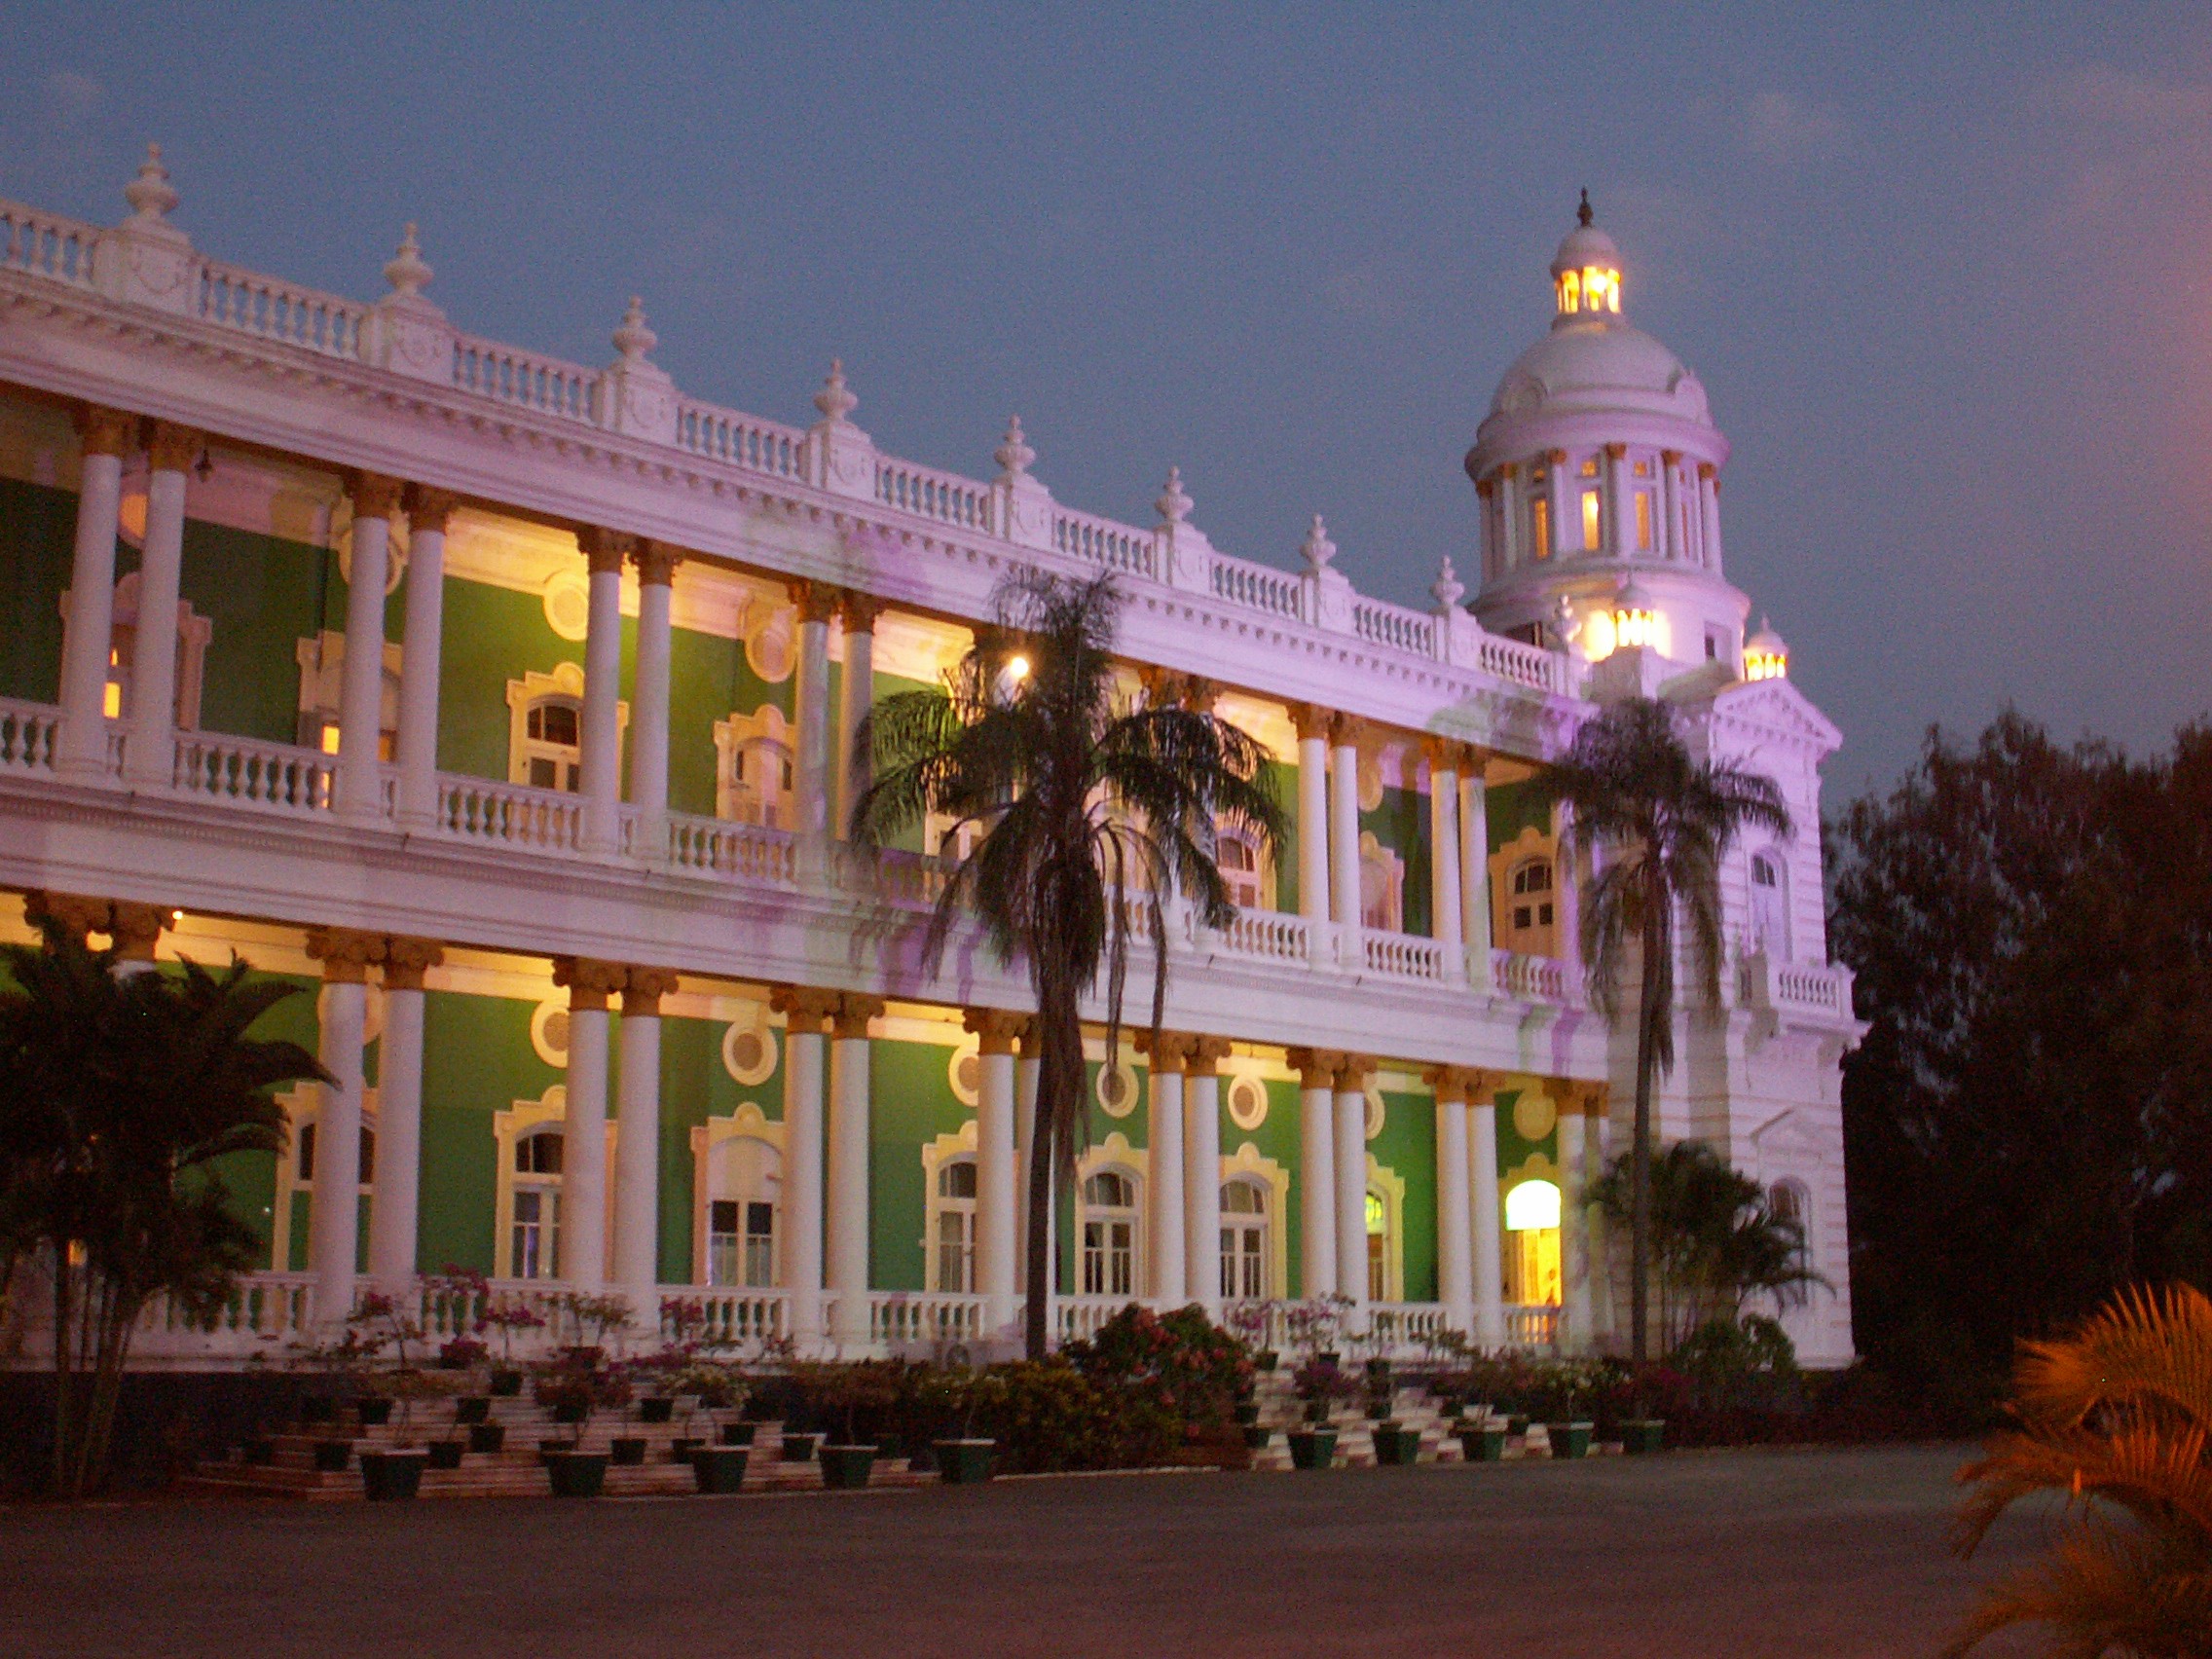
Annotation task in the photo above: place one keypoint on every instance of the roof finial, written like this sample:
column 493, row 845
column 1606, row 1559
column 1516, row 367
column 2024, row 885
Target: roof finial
column 1582, row 213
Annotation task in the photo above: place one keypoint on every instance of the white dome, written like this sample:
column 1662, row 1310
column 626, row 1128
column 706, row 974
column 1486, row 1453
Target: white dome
column 1599, row 363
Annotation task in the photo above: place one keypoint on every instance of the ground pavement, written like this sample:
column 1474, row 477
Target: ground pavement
column 1729, row 1555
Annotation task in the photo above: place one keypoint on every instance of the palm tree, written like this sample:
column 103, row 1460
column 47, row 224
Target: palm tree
column 1081, row 815
column 118, row 1097
column 2118, row 1417
column 1663, row 820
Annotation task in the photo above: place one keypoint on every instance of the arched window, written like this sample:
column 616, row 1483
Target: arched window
column 953, row 1240
column 1528, row 908
column 1377, row 1247
column 304, row 1144
column 1789, row 1202
column 1770, row 908
column 1531, row 1253
column 533, row 1243
column 1109, row 1233
column 1244, row 1255
column 744, row 1192
column 1240, row 864
column 551, row 745
column 761, row 784
column 1382, row 886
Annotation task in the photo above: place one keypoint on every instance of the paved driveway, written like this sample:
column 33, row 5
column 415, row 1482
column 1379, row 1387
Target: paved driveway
column 1719, row 1556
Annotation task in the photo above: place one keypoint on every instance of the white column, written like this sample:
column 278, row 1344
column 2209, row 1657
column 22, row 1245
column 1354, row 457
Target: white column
column 1567, row 895
column 1708, row 515
column 997, row 1222
column 855, row 695
column 1574, row 1233
column 334, row 1212
column 1201, row 1175
column 1166, row 1255
column 1313, row 822
column 648, row 699
column 1474, row 870
column 1596, row 1138
column 392, row 1204
column 811, row 776
column 419, row 655
column 150, row 754
column 848, row 1184
column 806, row 1012
column 81, row 749
column 1489, row 1219
column 583, row 1150
column 1344, row 829
column 1509, row 514
column 1027, row 1069
column 1493, row 543
column 1352, row 1192
column 360, row 685
column 1619, row 538
column 599, row 767
column 1447, row 914
column 1566, row 512
column 1671, row 503
column 636, row 1146
column 1317, row 1170
column 1454, row 1222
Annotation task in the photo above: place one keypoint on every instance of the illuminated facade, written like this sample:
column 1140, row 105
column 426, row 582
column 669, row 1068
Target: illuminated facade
column 506, row 702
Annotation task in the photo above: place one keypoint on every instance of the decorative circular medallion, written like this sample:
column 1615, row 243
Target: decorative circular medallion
column 963, row 1070
column 1534, row 1115
column 1247, row 1102
column 749, row 1051
column 772, row 649
column 1374, row 1111
column 1117, row 1089
column 567, row 603
column 549, row 1031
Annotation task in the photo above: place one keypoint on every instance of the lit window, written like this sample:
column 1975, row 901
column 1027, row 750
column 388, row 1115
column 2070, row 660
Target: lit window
column 1643, row 521
column 1540, row 526
column 534, row 1247
column 1530, row 1205
column 1109, row 1236
column 551, row 746
column 1243, row 1240
column 1377, row 1249
column 1591, row 521
column 330, row 737
column 953, row 1230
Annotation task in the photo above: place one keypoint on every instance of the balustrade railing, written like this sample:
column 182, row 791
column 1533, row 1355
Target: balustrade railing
column 525, row 379
column 1272, row 936
column 509, row 815
column 1407, row 956
column 1523, row 664
column 46, row 245
column 719, row 846
column 262, row 305
column 1261, row 588
column 1102, row 541
column 278, row 777
column 1384, row 624
column 1531, row 979
column 929, row 494
column 741, row 440
column 27, row 736
column 1809, row 987
column 899, row 1320
column 1531, row 1325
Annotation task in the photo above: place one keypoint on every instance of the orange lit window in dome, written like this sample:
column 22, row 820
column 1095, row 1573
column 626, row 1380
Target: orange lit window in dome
column 1643, row 521
column 1540, row 526
column 1591, row 521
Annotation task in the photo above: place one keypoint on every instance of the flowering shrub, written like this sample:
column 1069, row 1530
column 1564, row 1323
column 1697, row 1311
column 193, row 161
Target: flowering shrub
column 1180, row 1363
column 462, row 1354
column 1049, row 1415
column 507, row 1316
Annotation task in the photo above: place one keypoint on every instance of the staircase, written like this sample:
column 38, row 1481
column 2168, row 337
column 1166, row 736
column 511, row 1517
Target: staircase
column 1414, row 1407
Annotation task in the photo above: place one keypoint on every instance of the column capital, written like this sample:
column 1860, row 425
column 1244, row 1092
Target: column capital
column 1346, row 730
column 1444, row 754
column 346, row 953
column 1472, row 756
column 1312, row 720
column 1557, row 456
column 405, row 961
column 805, row 1010
column 1586, row 1099
column 1483, row 1086
column 1509, row 470
column 1615, row 451
column 1168, row 1057
column 376, row 496
column 1450, row 1084
column 133, row 927
column 860, row 610
column 588, row 983
column 1205, row 1056
column 1706, row 471
column 1354, row 1071
column 1484, row 489
column 656, row 563
column 431, row 509
column 853, row 1011
column 644, row 988
column 816, row 601
column 1671, row 457
column 104, row 431
column 1316, row 1068
column 604, row 550
column 995, row 1028
column 169, row 448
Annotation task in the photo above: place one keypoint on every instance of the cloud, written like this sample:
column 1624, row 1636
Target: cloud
column 1782, row 130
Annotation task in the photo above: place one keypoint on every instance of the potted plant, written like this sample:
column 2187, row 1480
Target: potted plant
column 969, row 1459
column 1320, row 1385
column 1396, row 1444
column 507, row 1316
column 1560, row 1397
column 572, row 1386
column 1482, row 1439
column 843, row 1391
column 462, row 1353
column 341, row 1363
column 394, row 1472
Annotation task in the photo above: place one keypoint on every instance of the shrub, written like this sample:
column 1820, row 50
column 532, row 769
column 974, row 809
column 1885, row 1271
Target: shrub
column 1180, row 1363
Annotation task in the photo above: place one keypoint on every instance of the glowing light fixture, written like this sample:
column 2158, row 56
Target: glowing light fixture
column 1765, row 656
column 1532, row 1206
column 1018, row 667
column 1636, row 621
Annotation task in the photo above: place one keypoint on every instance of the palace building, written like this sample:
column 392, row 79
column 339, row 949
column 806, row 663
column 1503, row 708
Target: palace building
column 504, row 704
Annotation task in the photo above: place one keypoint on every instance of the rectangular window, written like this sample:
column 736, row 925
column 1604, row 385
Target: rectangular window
column 721, row 1241
column 1591, row 521
column 1643, row 521
column 759, row 1245
column 1540, row 526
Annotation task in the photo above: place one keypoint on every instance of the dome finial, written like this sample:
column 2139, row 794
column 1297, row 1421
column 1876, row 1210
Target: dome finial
column 1582, row 213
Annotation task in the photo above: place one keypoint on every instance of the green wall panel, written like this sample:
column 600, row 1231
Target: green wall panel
column 1407, row 1148
column 477, row 1060
column 694, row 1086
column 261, row 595
column 911, row 1104
column 38, row 529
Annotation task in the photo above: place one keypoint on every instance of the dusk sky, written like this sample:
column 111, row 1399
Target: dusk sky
column 1941, row 268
